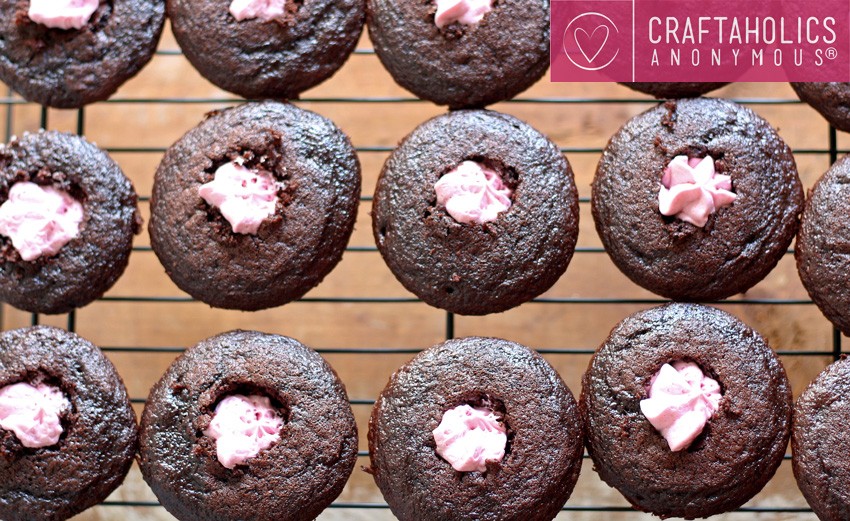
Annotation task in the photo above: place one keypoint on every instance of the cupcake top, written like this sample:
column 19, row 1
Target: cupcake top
column 67, row 219
column 269, row 48
column 247, row 424
column 456, row 53
column 831, row 100
column 67, row 430
column 820, row 442
column 824, row 243
column 255, row 205
column 476, row 212
column 461, row 432
column 687, row 411
column 696, row 199
column 67, row 54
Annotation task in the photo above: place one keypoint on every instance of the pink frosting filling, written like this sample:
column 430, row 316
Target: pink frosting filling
column 469, row 437
column 39, row 219
column 32, row 413
column 245, row 197
column 242, row 426
column 691, row 190
column 62, row 14
column 265, row 10
column 681, row 400
column 473, row 193
column 466, row 12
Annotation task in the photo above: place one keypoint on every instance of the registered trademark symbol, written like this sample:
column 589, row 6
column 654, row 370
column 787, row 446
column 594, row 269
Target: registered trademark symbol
column 831, row 53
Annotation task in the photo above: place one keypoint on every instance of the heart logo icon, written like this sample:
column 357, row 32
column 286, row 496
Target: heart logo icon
column 589, row 42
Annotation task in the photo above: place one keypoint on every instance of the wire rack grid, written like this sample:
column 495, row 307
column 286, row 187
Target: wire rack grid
column 360, row 319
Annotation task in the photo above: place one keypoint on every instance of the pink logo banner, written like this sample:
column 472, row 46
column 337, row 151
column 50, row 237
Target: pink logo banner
column 700, row 40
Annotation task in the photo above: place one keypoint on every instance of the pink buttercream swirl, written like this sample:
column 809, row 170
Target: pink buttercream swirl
column 265, row 10
column 39, row 219
column 62, row 14
column 32, row 413
column 466, row 12
column 242, row 426
column 691, row 190
column 681, row 400
column 473, row 193
column 245, row 197
column 469, row 437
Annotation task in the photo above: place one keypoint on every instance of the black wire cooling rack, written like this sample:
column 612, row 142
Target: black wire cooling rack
column 349, row 506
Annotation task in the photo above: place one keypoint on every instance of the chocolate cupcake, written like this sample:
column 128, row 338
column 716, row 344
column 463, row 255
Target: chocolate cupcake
column 475, row 428
column 68, row 54
column 832, row 100
column 696, row 199
column 457, row 52
column 823, row 245
column 267, row 49
column 254, row 206
column 67, row 430
column 671, row 90
column 687, row 411
column 476, row 212
column 67, row 219
column 820, row 442
column 247, row 425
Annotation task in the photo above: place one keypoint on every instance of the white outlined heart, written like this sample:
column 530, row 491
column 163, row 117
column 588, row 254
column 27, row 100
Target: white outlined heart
column 588, row 39
column 609, row 45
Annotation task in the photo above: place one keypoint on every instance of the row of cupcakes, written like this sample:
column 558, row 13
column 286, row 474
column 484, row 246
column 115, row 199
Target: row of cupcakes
column 474, row 212
column 684, row 410
column 453, row 52
column 68, row 54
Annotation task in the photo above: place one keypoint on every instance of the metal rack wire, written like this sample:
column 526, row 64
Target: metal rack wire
column 449, row 328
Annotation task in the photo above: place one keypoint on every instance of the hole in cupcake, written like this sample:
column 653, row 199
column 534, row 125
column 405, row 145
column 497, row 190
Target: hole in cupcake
column 477, row 190
column 456, row 14
column 35, row 411
column 41, row 38
column 244, row 422
column 280, row 11
column 681, row 399
column 692, row 189
column 244, row 190
column 473, row 433
column 65, row 15
column 40, row 214
column 450, row 290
